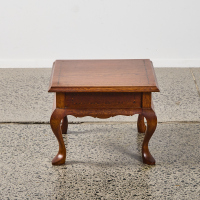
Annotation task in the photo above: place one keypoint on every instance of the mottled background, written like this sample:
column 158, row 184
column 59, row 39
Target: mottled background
column 103, row 156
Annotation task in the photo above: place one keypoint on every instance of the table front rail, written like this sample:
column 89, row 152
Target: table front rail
column 103, row 100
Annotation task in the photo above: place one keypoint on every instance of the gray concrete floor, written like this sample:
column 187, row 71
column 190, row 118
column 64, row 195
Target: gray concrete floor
column 104, row 156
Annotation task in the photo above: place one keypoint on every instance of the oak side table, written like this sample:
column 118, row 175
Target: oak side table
column 103, row 88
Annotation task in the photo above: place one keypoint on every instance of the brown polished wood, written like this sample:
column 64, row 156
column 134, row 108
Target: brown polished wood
column 56, row 117
column 64, row 125
column 103, row 88
column 103, row 76
column 103, row 100
column 140, row 124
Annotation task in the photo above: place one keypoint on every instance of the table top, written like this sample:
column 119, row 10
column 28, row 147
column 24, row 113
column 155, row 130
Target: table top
column 123, row 75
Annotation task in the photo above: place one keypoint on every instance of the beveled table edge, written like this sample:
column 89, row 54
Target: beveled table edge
column 153, row 88
column 105, row 89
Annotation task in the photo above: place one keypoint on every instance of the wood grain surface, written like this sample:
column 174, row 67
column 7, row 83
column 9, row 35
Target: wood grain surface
column 130, row 75
column 84, row 100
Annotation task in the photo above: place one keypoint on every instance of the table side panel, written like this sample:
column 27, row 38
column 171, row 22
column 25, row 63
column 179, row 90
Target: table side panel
column 103, row 100
column 146, row 100
column 102, row 113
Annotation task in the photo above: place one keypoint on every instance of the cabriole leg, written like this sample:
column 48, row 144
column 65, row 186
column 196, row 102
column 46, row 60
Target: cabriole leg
column 56, row 117
column 151, row 118
column 140, row 124
column 64, row 125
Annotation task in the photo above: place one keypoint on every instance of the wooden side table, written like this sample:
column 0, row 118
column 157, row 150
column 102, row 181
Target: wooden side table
column 103, row 88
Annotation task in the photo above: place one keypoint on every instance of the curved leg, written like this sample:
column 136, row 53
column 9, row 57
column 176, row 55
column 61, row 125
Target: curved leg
column 140, row 124
column 64, row 125
column 151, row 118
column 56, row 117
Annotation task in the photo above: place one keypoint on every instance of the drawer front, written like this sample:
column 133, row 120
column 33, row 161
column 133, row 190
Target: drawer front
column 103, row 100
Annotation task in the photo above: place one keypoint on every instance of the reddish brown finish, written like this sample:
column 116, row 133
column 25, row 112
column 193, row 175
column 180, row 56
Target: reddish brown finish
column 103, row 100
column 146, row 100
column 140, row 124
column 151, row 118
column 103, row 113
column 103, row 76
column 60, row 100
column 103, row 88
column 56, row 117
column 64, row 125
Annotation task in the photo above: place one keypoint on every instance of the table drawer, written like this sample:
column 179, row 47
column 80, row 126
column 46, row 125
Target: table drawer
column 103, row 100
